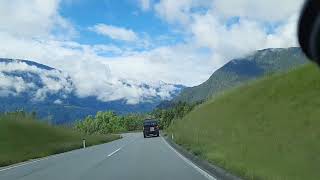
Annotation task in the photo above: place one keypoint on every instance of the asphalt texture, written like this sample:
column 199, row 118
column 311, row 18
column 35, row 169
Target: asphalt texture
column 130, row 158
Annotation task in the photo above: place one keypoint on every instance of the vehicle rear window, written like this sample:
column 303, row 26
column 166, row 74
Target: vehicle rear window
column 150, row 123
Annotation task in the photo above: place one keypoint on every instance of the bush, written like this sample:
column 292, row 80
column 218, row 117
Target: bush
column 178, row 111
column 110, row 122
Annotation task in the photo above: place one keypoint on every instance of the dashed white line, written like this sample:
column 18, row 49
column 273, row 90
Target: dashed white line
column 114, row 152
column 202, row 172
column 44, row 158
column 109, row 155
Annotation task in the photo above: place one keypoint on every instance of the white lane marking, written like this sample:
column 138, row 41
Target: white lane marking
column 45, row 158
column 52, row 156
column 202, row 172
column 121, row 147
column 22, row 164
column 114, row 152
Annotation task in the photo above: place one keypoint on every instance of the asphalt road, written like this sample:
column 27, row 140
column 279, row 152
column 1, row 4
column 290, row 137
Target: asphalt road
column 130, row 158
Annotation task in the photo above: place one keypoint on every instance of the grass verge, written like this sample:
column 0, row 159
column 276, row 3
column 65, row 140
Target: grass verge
column 23, row 138
column 269, row 129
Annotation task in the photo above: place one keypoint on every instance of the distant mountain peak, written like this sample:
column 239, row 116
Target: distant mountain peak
column 51, row 92
column 28, row 62
column 241, row 70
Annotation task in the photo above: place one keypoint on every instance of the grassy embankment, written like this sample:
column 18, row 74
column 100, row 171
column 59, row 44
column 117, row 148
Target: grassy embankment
column 269, row 129
column 23, row 138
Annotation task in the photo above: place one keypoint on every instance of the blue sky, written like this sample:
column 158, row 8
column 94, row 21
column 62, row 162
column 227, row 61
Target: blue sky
column 146, row 24
column 100, row 43
column 125, row 14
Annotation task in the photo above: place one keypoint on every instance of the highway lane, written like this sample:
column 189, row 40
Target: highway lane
column 130, row 158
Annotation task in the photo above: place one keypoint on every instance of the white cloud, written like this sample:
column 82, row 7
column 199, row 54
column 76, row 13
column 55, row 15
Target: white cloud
column 13, row 85
column 179, row 12
column 206, row 22
column 33, row 18
column 230, row 42
column 114, row 32
column 283, row 36
column 53, row 81
column 208, row 43
column 58, row 101
column 265, row 10
column 107, row 49
column 262, row 10
column 174, row 11
column 87, row 68
column 178, row 64
column 145, row 4
column 90, row 73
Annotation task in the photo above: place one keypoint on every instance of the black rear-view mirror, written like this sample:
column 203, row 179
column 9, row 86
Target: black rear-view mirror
column 309, row 30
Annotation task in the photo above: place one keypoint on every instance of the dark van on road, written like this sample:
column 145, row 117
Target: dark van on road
column 150, row 127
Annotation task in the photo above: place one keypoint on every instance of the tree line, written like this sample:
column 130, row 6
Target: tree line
column 109, row 122
column 177, row 111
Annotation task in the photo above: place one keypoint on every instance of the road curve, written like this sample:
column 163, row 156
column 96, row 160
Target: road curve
column 130, row 158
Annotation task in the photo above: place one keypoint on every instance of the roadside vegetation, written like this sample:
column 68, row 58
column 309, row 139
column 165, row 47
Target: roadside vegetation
column 269, row 129
column 109, row 122
column 23, row 137
column 176, row 111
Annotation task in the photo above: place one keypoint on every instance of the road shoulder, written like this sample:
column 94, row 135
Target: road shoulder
column 213, row 170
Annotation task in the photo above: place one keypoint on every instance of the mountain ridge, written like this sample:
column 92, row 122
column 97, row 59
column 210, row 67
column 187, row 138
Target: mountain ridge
column 53, row 95
column 241, row 70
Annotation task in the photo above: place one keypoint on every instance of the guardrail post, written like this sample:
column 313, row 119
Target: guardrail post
column 84, row 143
column 172, row 136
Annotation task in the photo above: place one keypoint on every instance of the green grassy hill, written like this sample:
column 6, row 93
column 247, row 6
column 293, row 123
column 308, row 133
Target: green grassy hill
column 269, row 129
column 242, row 70
column 23, row 138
